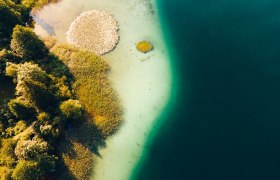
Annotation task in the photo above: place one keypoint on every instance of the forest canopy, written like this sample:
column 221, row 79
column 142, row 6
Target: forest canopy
column 55, row 109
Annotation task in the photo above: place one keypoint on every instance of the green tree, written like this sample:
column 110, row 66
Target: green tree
column 7, row 56
column 72, row 110
column 5, row 172
column 7, row 155
column 26, row 170
column 47, row 162
column 22, row 109
column 36, row 3
column 41, row 96
column 27, row 72
column 33, row 85
column 31, row 149
column 27, row 44
column 8, row 20
column 11, row 14
column 29, row 3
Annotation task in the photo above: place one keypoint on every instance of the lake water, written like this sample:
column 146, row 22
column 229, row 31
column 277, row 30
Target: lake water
column 225, row 124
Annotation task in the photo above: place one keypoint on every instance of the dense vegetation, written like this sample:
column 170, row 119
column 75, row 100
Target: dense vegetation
column 100, row 102
column 92, row 86
column 63, row 102
column 37, row 3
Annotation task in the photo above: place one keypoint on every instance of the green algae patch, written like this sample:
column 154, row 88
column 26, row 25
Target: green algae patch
column 144, row 46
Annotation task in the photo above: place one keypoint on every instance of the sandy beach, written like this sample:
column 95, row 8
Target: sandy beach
column 143, row 81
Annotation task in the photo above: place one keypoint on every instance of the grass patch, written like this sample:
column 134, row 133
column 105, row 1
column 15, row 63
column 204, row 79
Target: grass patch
column 79, row 147
column 92, row 86
column 77, row 150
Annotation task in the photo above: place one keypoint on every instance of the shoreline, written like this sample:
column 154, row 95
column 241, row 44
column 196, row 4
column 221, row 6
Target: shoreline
column 143, row 81
column 162, row 118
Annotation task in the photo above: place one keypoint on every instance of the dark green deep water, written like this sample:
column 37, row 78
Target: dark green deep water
column 225, row 124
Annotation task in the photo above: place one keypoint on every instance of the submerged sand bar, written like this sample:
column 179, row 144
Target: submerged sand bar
column 96, row 31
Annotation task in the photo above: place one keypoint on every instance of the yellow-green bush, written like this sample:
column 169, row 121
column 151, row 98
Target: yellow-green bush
column 37, row 3
column 71, row 109
column 144, row 46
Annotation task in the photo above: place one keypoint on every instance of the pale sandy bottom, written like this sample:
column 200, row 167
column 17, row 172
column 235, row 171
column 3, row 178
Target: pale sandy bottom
column 142, row 80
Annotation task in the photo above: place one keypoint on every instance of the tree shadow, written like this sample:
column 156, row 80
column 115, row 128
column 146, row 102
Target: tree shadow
column 89, row 136
column 76, row 149
column 41, row 22
column 62, row 172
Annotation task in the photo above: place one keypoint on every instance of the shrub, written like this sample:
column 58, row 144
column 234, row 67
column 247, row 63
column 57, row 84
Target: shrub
column 144, row 46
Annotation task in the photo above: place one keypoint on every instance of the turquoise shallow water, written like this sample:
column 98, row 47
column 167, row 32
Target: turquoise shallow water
column 225, row 122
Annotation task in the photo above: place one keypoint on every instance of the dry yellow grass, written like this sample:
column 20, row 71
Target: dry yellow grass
column 77, row 150
column 92, row 86
column 101, row 103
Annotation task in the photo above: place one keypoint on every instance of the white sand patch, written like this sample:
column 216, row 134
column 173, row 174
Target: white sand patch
column 142, row 80
column 95, row 31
